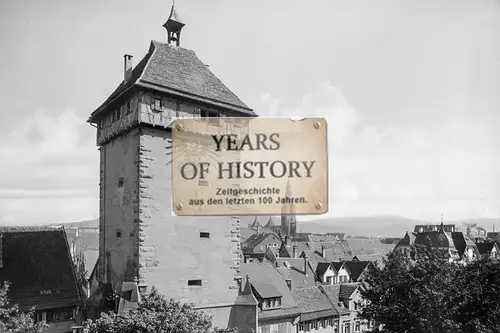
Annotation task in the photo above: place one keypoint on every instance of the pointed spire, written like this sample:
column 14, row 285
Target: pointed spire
column 174, row 26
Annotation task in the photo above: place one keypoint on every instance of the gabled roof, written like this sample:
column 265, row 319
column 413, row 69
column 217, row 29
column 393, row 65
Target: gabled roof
column 177, row 71
column 356, row 268
column 339, row 265
column 37, row 262
column 322, row 267
column 486, row 247
column 313, row 303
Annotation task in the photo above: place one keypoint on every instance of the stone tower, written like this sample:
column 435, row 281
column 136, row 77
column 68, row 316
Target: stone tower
column 288, row 218
column 190, row 259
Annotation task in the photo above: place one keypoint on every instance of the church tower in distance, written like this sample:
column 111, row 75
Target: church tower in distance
column 190, row 259
column 288, row 218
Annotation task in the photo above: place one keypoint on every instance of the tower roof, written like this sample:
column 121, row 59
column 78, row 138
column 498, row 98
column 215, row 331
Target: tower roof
column 174, row 15
column 270, row 223
column 179, row 72
column 255, row 223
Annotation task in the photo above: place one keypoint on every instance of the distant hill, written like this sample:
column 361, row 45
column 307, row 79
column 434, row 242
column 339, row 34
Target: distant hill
column 82, row 224
column 385, row 226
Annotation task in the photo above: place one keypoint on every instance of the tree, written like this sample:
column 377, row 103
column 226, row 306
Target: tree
column 12, row 320
column 429, row 294
column 156, row 314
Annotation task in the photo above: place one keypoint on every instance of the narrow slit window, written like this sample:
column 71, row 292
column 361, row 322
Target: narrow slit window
column 194, row 282
column 129, row 109
column 120, row 182
column 118, row 234
column 204, row 235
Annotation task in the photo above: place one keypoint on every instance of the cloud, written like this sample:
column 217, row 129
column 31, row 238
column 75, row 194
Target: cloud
column 50, row 170
column 383, row 169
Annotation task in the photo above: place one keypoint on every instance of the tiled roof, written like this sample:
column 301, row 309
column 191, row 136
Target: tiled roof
column 265, row 276
column 295, row 267
column 346, row 289
column 265, row 289
column 38, row 264
column 178, row 71
column 313, row 303
column 332, row 291
column 435, row 239
column 368, row 246
column 356, row 268
column 255, row 240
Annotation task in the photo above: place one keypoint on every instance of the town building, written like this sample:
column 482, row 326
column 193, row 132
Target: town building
column 190, row 259
column 38, row 264
column 277, row 310
column 452, row 245
column 488, row 249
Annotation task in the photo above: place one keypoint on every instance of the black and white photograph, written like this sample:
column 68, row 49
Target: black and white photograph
column 189, row 166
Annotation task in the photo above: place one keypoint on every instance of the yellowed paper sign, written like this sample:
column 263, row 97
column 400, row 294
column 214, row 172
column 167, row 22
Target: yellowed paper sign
column 249, row 166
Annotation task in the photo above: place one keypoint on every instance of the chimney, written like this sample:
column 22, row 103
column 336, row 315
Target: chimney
column 493, row 228
column 323, row 251
column 305, row 264
column 127, row 67
column 258, row 227
column 294, row 254
column 286, row 239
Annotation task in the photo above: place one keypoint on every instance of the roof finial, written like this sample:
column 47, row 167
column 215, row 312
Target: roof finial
column 442, row 219
column 174, row 26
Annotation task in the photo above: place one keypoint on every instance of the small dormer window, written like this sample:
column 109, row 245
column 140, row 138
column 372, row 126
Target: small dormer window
column 271, row 303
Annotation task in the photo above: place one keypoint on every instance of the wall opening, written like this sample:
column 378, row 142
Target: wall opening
column 194, row 282
column 204, row 235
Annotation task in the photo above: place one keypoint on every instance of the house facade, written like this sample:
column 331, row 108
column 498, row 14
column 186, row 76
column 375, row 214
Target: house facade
column 190, row 259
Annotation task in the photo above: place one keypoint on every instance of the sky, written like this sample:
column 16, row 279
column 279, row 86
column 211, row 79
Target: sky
column 409, row 89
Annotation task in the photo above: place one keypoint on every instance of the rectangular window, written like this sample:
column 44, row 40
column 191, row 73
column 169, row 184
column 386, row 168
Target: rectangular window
column 158, row 104
column 118, row 234
column 120, row 182
column 301, row 326
column 357, row 327
column 194, row 282
column 204, row 235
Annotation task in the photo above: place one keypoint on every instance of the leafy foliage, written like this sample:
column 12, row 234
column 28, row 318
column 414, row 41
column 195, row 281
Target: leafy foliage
column 156, row 314
column 14, row 321
column 428, row 294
